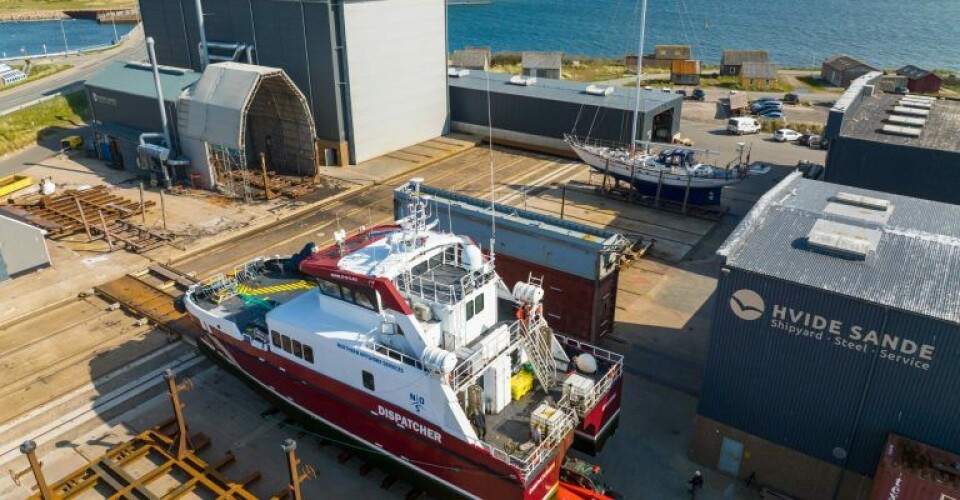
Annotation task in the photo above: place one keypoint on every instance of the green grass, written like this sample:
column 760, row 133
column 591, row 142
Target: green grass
column 24, row 5
column 37, row 72
column 816, row 83
column 23, row 128
column 585, row 70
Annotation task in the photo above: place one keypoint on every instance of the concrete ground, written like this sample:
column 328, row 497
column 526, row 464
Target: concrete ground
column 663, row 318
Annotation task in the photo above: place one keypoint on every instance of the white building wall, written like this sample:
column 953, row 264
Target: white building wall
column 396, row 60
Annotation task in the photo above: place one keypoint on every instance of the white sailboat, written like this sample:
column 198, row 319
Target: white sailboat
column 673, row 167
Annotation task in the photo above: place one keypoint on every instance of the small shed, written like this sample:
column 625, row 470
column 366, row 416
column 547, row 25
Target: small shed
column 738, row 104
column 471, row 58
column 671, row 52
column 732, row 61
column 23, row 248
column 542, row 64
column 685, row 72
column 920, row 81
column 841, row 70
column 758, row 75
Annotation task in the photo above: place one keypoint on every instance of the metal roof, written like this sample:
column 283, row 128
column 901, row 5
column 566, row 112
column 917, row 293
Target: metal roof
column 845, row 62
column 759, row 70
column 866, row 120
column 915, row 267
column 541, row 60
column 738, row 57
column 912, row 72
column 565, row 91
column 137, row 79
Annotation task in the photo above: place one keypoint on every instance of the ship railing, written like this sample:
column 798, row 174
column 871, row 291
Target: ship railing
column 426, row 287
column 601, row 387
column 371, row 344
column 496, row 344
column 217, row 288
column 590, row 141
column 544, row 450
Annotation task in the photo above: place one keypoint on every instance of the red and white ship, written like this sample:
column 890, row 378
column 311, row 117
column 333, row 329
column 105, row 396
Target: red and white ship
column 395, row 338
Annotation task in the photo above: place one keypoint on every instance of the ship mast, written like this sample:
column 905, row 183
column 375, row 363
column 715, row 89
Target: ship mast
column 636, row 109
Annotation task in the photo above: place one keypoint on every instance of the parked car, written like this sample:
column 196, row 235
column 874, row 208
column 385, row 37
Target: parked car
column 683, row 93
column 762, row 100
column 791, row 99
column 901, row 90
column 786, row 134
column 772, row 115
column 743, row 125
column 666, row 90
column 812, row 140
column 760, row 108
column 698, row 95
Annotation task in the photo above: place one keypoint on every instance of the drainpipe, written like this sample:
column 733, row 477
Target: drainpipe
column 162, row 104
column 204, row 54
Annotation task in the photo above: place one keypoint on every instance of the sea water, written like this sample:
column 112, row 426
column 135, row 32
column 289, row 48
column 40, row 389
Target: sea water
column 799, row 33
column 29, row 38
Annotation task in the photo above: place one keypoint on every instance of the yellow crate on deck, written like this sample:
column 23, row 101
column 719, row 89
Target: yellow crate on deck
column 520, row 384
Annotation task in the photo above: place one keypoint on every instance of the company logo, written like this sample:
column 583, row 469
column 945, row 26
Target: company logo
column 746, row 304
column 418, row 402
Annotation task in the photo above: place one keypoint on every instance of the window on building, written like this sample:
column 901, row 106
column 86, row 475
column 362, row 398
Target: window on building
column 285, row 342
column 276, row 338
column 307, row 353
column 470, row 311
column 368, row 380
column 478, row 304
column 297, row 349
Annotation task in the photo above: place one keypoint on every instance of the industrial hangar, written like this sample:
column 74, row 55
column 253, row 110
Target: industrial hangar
column 373, row 73
column 536, row 113
column 836, row 324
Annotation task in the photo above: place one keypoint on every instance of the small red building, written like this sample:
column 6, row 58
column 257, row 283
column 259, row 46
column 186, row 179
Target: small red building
column 920, row 81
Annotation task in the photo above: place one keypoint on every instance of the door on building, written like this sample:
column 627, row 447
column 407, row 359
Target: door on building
column 731, row 451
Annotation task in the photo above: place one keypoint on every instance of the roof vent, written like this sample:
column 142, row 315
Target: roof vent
column 522, row 80
column 906, row 120
column 457, row 73
column 903, row 110
column 599, row 90
column 910, row 103
column 898, row 130
column 859, row 200
column 843, row 240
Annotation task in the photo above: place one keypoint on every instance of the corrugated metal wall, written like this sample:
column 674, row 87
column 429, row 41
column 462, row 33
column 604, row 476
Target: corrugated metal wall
column 132, row 111
column 880, row 166
column 550, row 118
column 805, row 393
column 297, row 36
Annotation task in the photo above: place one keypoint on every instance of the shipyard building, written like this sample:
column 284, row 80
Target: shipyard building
column 536, row 113
column 899, row 144
column 373, row 73
column 837, row 323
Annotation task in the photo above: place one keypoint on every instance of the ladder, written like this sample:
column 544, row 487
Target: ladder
column 536, row 338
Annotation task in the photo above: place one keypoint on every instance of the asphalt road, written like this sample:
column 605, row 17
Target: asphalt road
column 85, row 66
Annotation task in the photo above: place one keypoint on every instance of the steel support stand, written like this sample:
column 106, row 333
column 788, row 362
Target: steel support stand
column 29, row 448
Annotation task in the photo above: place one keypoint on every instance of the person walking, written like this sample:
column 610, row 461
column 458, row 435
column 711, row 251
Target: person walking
column 696, row 483
column 480, row 424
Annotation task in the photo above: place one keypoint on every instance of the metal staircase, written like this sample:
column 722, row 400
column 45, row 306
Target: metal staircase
column 537, row 339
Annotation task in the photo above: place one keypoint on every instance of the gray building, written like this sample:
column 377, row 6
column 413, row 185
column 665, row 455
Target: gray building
column 865, row 85
column 542, row 64
column 477, row 59
column 123, row 105
column 536, row 116
column 373, row 73
column 758, row 75
column 899, row 144
column 835, row 324
column 23, row 248
column 841, row 70
column 732, row 60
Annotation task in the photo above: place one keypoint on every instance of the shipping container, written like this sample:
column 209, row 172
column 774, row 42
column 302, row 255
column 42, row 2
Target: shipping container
column 826, row 353
column 910, row 470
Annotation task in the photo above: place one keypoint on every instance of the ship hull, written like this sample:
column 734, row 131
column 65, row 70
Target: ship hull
column 339, row 413
column 693, row 195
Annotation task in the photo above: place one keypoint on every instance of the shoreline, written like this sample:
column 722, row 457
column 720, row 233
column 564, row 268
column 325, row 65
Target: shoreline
column 119, row 15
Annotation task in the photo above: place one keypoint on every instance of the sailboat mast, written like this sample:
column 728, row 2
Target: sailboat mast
column 636, row 108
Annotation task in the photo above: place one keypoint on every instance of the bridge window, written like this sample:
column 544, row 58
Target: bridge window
column 368, row 380
column 329, row 288
column 286, row 343
column 276, row 338
column 297, row 349
column 478, row 304
column 470, row 310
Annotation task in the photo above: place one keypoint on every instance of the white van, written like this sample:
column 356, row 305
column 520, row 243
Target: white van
column 743, row 125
